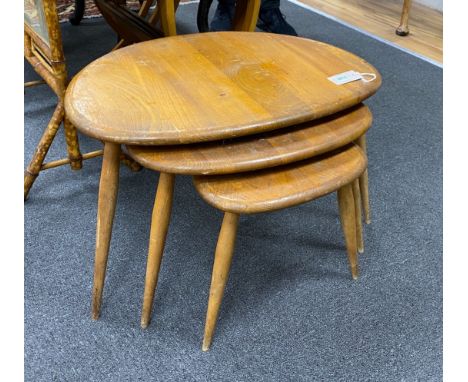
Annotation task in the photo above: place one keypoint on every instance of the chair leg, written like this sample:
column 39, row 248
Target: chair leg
column 32, row 171
column 108, row 187
column 348, row 222
column 358, row 213
column 159, row 226
column 221, row 266
column 167, row 15
column 73, row 146
column 364, row 182
column 246, row 15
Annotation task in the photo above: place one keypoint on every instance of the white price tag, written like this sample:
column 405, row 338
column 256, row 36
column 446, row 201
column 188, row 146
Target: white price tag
column 345, row 77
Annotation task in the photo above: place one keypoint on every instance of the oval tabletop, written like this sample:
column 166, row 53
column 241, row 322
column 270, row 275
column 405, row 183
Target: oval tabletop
column 210, row 86
column 285, row 186
column 257, row 151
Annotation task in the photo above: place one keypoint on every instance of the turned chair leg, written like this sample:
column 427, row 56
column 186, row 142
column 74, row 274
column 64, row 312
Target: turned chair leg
column 364, row 182
column 358, row 213
column 32, row 171
column 73, row 146
column 348, row 222
column 221, row 266
column 108, row 187
column 159, row 226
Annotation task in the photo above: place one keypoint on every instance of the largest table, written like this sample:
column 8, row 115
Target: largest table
column 203, row 87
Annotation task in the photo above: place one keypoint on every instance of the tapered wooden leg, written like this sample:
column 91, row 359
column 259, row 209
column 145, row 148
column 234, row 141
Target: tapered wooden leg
column 159, row 226
column 364, row 182
column 221, row 266
column 358, row 213
column 348, row 222
column 403, row 29
column 32, row 171
column 108, row 187
column 73, row 146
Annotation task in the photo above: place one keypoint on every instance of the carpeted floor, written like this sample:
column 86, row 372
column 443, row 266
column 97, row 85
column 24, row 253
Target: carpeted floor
column 291, row 311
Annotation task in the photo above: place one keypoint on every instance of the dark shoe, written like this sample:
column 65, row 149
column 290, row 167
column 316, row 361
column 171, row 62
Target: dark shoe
column 222, row 20
column 272, row 20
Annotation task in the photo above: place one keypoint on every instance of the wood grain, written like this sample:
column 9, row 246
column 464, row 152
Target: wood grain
column 220, row 274
column 255, row 152
column 348, row 222
column 210, row 86
column 108, row 188
column 159, row 226
column 285, row 186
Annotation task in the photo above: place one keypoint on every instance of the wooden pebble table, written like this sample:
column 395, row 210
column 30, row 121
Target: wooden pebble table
column 192, row 89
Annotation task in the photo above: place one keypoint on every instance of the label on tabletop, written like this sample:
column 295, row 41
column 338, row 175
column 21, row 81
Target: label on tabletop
column 345, row 77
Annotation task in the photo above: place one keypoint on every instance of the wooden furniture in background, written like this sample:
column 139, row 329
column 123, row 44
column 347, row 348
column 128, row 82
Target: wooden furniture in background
column 403, row 29
column 130, row 27
column 79, row 10
column 202, row 87
column 142, row 27
column 272, row 190
column 379, row 18
column 43, row 50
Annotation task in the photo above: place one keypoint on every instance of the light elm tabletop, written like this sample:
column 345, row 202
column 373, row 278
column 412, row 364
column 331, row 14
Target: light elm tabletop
column 199, row 88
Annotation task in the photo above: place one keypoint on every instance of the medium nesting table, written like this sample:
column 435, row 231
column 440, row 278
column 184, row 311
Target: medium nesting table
column 193, row 89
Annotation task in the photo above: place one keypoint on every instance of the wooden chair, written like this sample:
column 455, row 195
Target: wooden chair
column 79, row 10
column 130, row 27
column 274, row 189
column 43, row 50
column 136, row 28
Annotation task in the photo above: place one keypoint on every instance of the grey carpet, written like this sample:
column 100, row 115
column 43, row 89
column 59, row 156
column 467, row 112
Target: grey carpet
column 291, row 311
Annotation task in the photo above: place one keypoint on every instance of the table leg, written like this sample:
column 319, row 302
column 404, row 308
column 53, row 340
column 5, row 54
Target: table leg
column 159, row 226
column 358, row 212
column 348, row 222
column 364, row 182
column 403, row 29
column 221, row 267
column 108, row 187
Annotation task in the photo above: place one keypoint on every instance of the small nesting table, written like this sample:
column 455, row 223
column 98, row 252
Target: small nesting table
column 192, row 89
